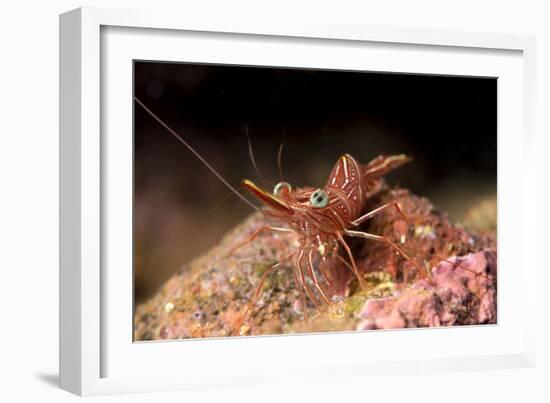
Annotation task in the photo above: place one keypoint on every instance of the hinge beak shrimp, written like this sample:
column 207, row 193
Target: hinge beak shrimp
column 322, row 218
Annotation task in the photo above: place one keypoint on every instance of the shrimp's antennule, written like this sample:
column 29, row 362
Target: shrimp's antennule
column 280, row 157
column 251, row 155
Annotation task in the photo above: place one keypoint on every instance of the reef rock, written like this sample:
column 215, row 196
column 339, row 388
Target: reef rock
column 462, row 291
column 452, row 281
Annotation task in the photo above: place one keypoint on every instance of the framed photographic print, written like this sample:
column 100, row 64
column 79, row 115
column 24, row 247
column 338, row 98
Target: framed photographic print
column 272, row 198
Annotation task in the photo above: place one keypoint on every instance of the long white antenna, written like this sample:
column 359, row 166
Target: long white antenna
column 186, row 144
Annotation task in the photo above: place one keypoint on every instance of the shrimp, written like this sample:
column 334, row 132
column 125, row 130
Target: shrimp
column 322, row 218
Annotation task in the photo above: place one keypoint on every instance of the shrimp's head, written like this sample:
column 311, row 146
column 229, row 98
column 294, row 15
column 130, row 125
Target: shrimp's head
column 295, row 206
column 279, row 201
column 308, row 211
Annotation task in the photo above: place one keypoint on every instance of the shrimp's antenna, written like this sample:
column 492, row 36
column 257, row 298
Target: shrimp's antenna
column 186, row 144
column 218, row 204
column 280, row 156
column 251, row 153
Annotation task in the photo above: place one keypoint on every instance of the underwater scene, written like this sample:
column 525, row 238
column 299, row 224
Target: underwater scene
column 272, row 200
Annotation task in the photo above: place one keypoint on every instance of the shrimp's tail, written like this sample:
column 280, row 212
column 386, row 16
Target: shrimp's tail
column 383, row 164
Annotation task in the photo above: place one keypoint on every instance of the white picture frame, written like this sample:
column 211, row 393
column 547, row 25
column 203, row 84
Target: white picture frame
column 96, row 355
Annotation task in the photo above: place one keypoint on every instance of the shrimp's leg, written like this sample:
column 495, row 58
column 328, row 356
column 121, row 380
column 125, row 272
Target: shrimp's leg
column 314, row 277
column 345, row 262
column 326, row 274
column 309, row 292
column 372, row 213
column 352, row 260
column 300, row 288
column 255, row 234
column 387, row 240
column 258, row 289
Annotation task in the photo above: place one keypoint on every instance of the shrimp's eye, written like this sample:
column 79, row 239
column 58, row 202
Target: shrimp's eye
column 319, row 199
column 281, row 188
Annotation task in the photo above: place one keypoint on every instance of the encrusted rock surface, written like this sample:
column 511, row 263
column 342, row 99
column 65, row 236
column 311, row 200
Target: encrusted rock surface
column 462, row 291
column 207, row 297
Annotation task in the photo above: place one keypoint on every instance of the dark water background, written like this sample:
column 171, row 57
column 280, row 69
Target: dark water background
column 448, row 124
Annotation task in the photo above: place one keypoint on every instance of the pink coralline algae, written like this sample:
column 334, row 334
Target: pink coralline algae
column 462, row 291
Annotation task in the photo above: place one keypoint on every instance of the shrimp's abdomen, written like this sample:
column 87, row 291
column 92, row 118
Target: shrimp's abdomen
column 353, row 183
